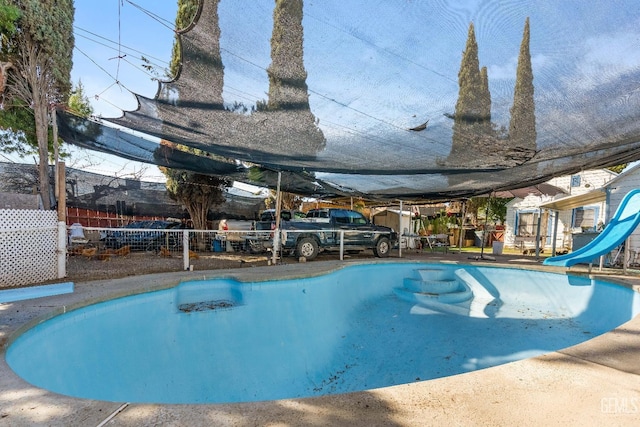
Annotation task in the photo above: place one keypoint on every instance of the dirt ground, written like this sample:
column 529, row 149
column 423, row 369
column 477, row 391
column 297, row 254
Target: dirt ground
column 80, row 268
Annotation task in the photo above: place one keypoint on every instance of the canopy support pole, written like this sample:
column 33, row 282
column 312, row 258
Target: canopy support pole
column 461, row 234
column 484, row 235
column 400, row 233
column 484, row 228
column 627, row 253
column 276, row 234
column 538, row 234
column 555, row 232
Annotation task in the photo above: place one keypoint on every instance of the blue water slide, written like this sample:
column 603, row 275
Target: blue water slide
column 623, row 223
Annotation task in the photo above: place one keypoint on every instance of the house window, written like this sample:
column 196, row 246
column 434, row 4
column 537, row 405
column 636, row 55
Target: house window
column 527, row 223
column 585, row 218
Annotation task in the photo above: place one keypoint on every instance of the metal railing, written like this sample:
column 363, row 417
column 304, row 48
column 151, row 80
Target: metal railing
column 104, row 243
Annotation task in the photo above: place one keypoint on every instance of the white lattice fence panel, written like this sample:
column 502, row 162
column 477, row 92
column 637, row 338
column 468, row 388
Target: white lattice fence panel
column 28, row 246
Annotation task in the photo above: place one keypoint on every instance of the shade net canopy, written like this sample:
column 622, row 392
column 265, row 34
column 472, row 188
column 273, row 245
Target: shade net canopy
column 386, row 100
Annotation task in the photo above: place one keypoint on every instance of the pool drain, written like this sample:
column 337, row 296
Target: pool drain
column 205, row 305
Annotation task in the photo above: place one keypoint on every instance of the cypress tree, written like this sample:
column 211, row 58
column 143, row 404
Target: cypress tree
column 485, row 102
column 198, row 192
column 187, row 11
column 287, row 75
column 522, row 127
column 473, row 108
column 469, row 105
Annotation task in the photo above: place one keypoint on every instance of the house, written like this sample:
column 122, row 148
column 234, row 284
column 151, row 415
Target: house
column 580, row 209
column 604, row 203
column 616, row 189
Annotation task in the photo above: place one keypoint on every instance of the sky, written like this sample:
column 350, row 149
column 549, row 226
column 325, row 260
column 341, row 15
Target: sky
column 417, row 45
column 111, row 36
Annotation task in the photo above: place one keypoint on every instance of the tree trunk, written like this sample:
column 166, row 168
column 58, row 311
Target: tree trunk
column 32, row 86
column 198, row 215
column 40, row 113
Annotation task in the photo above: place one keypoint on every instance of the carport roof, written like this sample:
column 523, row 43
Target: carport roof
column 579, row 200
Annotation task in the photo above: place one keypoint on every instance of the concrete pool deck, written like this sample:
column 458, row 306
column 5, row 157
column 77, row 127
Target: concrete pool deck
column 593, row 383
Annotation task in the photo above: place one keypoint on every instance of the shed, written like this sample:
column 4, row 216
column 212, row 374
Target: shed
column 391, row 218
column 407, row 228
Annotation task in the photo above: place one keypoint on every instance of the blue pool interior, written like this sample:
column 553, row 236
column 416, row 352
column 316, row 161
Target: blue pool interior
column 361, row 327
column 30, row 292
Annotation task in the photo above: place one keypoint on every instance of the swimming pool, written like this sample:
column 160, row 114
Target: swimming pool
column 353, row 329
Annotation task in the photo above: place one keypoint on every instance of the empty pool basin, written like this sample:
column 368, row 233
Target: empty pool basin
column 226, row 341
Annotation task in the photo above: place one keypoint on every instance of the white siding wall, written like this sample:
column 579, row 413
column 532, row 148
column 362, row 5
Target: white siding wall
column 618, row 189
column 563, row 238
column 510, row 222
column 589, row 181
column 528, row 203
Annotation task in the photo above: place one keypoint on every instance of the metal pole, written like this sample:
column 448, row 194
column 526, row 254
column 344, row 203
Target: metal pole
column 400, row 233
column 538, row 234
column 555, row 232
column 185, row 250
column 627, row 242
column 464, row 216
column 484, row 229
column 276, row 233
column 484, row 235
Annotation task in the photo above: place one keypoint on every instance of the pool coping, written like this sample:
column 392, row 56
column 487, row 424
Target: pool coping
column 595, row 382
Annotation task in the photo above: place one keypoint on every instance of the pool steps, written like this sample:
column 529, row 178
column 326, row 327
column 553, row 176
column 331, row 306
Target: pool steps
column 446, row 290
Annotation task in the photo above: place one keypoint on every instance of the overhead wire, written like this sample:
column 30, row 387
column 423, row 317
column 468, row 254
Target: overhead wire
column 115, row 79
column 165, row 23
column 128, row 48
column 120, row 57
column 333, row 100
column 124, row 58
column 155, row 17
column 390, row 52
column 119, row 40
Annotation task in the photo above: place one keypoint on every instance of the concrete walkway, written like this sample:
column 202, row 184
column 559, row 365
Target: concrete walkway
column 593, row 383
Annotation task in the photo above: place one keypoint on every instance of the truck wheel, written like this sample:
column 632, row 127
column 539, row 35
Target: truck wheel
column 383, row 247
column 307, row 247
